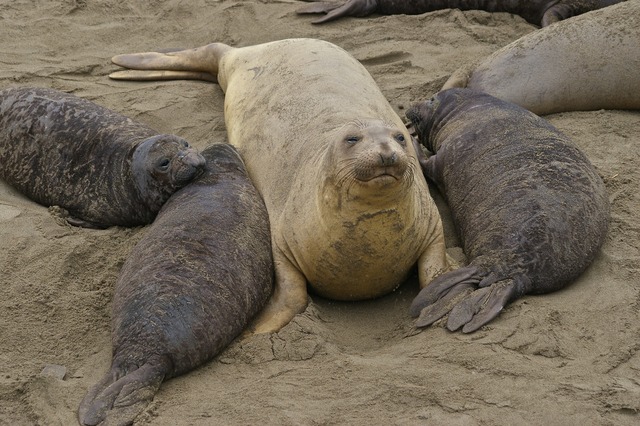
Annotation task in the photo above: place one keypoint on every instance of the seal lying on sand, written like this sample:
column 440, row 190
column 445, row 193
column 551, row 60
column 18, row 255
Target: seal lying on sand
column 537, row 12
column 530, row 209
column 350, row 211
column 202, row 270
column 100, row 166
column 586, row 63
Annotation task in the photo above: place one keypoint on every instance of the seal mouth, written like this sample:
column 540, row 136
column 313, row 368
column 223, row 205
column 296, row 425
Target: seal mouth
column 383, row 178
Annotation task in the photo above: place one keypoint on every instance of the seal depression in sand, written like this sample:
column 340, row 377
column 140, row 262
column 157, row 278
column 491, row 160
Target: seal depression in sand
column 202, row 270
column 588, row 62
column 102, row 167
column 531, row 210
column 537, row 12
column 350, row 211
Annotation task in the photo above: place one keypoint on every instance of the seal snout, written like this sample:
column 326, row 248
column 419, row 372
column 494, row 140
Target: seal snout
column 189, row 165
column 388, row 159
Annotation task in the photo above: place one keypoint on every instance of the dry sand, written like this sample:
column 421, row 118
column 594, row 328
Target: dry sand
column 569, row 358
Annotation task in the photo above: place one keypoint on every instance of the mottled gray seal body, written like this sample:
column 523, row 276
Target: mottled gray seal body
column 537, row 12
column 102, row 167
column 201, row 271
column 350, row 211
column 530, row 208
column 589, row 62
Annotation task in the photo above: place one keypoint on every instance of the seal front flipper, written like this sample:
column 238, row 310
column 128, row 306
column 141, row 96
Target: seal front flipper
column 289, row 298
column 74, row 221
column 335, row 10
column 120, row 396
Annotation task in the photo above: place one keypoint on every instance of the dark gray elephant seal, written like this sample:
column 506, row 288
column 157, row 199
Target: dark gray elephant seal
column 530, row 209
column 100, row 166
column 589, row 62
column 202, row 270
column 537, row 12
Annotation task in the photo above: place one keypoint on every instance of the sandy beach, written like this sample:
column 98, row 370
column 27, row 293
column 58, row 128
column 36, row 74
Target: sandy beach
column 567, row 358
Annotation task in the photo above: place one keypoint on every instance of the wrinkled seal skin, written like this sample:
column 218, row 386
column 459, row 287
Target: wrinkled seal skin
column 202, row 270
column 531, row 211
column 589, row 62
column 350, row 210
column 100, row 166
column 537, row 12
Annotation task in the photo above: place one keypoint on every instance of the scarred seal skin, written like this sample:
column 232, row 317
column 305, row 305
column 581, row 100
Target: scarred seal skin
column 537, row 12
column 201, row 271
column 350, row 210
column 102, row 167
column 531, row 210
column 589, row 62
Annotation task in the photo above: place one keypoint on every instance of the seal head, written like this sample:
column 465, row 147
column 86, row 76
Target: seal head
column 161, row 165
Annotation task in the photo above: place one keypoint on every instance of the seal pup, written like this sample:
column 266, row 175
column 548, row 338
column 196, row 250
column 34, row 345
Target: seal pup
column 201, row 271
column 350, row 210
column 537, row 12
column 531, row 210
column 589, row 62
column 103, row 168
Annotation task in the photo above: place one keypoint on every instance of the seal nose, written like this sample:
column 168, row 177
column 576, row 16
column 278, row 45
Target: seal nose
column 388, row 159
column 193, row 158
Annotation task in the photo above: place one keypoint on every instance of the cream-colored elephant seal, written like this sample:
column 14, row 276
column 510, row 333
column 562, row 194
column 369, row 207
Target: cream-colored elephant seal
column 349, row 209
column 588, row 62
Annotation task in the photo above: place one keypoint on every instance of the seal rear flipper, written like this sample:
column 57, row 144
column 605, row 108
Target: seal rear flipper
column 120, row 400
column 437, row 289
column 434, row 312
column 140, row 75
column 481, row 306
column 335, row 10
column 198, row 63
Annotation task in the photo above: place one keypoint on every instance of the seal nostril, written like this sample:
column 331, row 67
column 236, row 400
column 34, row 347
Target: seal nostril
column 388, row 160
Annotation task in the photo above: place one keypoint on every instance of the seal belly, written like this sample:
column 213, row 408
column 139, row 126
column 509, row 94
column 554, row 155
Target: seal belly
column 355, row 265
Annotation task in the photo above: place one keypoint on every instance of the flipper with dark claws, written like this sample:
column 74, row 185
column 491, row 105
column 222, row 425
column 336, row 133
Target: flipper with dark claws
column 481, row 306
column 437, row 289
column 337, row 9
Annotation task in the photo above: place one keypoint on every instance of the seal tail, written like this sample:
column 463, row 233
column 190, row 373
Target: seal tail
column 200, row 63
column 120, row 399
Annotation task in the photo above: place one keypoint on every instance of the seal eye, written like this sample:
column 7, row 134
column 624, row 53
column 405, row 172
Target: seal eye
column 352, row 140
column 163, row 164
column 401, row 139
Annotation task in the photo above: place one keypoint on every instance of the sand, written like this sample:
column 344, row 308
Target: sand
column 568, row 358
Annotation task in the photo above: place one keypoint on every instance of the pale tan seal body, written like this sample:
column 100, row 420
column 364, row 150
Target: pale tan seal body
column 588, row 62
column 350, row 212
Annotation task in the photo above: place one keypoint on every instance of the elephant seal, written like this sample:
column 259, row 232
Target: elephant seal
column 586, row 63
column 531, row 210
column 201, row 271
column 100, row 166
column 350, row 210
column 537, row 12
